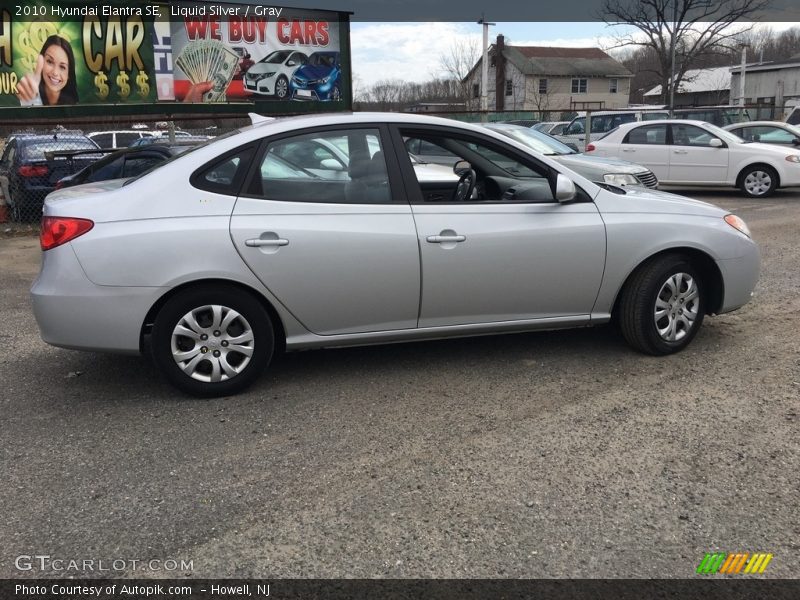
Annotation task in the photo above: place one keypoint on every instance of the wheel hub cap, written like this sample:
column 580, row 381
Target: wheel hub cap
column 758, row 183
column 677, row 307
column 212, row 343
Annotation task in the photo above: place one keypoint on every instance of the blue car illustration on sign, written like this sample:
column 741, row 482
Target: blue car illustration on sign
column 318, row 79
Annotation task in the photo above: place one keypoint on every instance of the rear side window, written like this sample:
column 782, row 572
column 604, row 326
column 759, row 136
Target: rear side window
column 224, row 175
column 125, row 139
column 649, row 134
column 104, row 140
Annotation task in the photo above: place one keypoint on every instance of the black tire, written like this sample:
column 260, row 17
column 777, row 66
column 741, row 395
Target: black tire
column 758, row 181
column 254, row 319
column 637, row 315
column 282, row 88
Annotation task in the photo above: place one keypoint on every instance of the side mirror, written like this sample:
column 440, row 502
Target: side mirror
column 715, row 143
column 796, row 141
column 565, row 189
column 291, row 63
column 461, row 167
column 331, row 164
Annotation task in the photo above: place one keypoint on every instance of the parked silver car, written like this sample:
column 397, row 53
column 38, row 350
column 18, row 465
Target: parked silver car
column 608, row 170
column 237, row 259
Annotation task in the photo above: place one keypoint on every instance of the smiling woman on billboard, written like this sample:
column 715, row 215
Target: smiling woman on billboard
column 53, row 80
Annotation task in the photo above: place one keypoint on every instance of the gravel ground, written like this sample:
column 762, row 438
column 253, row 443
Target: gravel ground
column 560, row 454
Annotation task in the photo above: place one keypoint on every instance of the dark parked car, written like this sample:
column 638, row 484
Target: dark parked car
column 318, row 79
column 129, row 162
column 32, row 164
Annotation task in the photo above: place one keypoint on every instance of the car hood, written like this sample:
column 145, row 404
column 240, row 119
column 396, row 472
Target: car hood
column 260, row 68
column 313, row 72
column 608, row 165
column 640, row 199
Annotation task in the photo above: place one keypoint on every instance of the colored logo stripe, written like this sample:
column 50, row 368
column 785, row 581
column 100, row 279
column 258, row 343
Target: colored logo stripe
column 732, row 564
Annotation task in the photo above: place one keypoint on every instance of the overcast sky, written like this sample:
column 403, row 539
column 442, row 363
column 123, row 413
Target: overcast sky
column 411, row 51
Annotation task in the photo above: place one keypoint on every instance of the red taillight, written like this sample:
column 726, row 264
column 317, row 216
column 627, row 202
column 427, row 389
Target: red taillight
column 33, row 171
column 60, row 230
column 590, row 148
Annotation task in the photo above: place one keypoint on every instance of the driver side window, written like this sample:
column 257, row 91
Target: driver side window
column 476, row 170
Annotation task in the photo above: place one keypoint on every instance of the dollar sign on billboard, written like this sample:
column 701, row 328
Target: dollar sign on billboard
column 122, row 85
column 100, row 83
column 141, row 83
column 31, row 40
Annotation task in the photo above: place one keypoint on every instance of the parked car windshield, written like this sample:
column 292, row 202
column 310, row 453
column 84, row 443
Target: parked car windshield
column 540, row 142
column 276, row 57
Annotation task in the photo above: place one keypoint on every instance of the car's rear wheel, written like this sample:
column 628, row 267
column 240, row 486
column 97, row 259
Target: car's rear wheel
column 758, row 181
column 662, row 305
column 282, row 88
column 212, row 342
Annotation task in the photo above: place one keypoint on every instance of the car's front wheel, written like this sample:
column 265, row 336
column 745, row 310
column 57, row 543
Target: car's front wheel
column 662, row 305
column 212, row 342
column 282, row 88
column 758, row 181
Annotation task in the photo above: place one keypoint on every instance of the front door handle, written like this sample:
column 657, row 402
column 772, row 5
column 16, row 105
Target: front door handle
column 680, row 151
column 444, row 239
column 628, row 150
column 258, row 242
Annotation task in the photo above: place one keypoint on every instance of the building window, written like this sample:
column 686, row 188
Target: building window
column 476, row 90
column 509, row 87
column 612, row 86
column 579, row 86
column 543, row 86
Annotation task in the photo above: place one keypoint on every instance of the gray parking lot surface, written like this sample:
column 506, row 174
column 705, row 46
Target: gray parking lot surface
column 534, row 455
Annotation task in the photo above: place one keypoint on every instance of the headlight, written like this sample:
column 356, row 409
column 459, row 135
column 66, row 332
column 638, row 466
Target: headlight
column 620, row 179
column 327, row 79
column 269, row 74
column 738, row 224
column 795, row 158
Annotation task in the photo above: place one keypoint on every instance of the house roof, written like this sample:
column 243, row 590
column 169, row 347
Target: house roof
column 545, row 60
column 769, row 66
column 700, row 80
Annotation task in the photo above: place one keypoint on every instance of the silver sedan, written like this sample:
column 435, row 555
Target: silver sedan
column 245, row 246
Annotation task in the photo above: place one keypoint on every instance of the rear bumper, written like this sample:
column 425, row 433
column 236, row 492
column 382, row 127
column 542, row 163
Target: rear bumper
column 74, row 313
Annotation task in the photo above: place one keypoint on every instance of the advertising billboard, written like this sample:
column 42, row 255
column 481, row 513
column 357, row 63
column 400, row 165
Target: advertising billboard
column 176, row 52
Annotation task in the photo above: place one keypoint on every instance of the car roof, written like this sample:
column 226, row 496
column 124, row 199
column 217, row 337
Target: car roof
column 635, row 124
column 757, row 124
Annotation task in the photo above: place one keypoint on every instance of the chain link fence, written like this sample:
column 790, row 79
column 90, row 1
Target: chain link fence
column 38, row 157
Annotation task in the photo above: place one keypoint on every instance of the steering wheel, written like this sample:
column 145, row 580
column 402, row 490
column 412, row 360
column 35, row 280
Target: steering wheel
column 466, row 184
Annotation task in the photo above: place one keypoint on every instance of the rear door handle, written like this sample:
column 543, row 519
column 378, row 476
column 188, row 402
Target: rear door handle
column 258, row 242
column 680, row 151
column 443, row 239
column 628, row 150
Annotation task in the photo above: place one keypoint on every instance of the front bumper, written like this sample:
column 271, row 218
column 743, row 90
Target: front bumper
column 72, row 312
column 740, row 276
column 261, row 86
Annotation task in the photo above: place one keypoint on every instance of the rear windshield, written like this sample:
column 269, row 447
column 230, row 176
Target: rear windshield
column 36, row 150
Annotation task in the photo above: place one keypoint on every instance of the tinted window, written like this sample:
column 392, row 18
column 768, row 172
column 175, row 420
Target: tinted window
column 649, row 134
column 125, row 139
column 225, row 175
column 104, row 140
column 110, row 170
column 134, row 165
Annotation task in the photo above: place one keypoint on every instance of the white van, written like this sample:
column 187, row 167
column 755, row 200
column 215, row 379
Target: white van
column 603, row 121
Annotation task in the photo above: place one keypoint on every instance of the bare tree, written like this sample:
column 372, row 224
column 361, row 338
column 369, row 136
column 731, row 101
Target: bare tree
column 457, row 62
column 698, row 27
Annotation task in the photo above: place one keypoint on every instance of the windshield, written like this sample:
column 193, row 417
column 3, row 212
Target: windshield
column 322, row 60
column 276, row 57
column 539, row 142
column 725, row 136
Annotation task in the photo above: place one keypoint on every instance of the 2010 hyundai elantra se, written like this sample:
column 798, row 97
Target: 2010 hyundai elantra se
column 265, row 239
